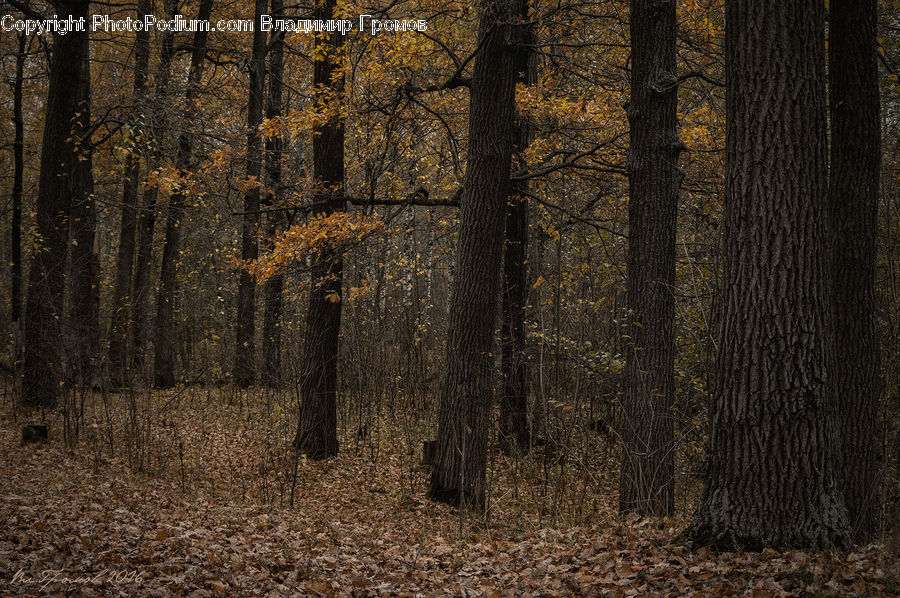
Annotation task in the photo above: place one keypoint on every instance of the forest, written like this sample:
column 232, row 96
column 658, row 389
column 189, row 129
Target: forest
column 431, row 298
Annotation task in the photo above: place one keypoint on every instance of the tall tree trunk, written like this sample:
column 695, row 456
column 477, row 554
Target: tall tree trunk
column 317, row 423
column 147, row 217
column 85, row 307
column 18, row 185
column 164, row 349
column 514, row 427
column 43, row 372
column 467, row 392
column 648, row 449
column 271, row 341
column 853, row 210
column 771, row 472
column 122, row 301
column 244, row 350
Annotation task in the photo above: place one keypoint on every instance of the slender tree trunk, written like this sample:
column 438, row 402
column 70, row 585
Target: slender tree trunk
column 317, row 424
column 648, row 450
column 853, row 209
column 467, row 392
column 245, row 329
column 164, row 354
column 271, row 341
column 514, row 428
column 122, row 301
column 771, row 478
column 85, row 307
column 147, row 217
column 43, row 372
column 18, row 185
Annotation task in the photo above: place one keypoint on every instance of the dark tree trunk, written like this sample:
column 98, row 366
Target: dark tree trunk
column 317, row 424
column 514, row 428
column 164, row 354
column 467, row 393
column 245, row 328
column 853, row 209
column 122, row 301
column 18, row 184
column 44, row 311
column 273, row 288
column 85, row 307
column 771, row 477
column 648, row 450
column 147, row 217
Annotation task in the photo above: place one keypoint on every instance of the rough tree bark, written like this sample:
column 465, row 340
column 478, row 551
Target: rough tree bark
column 853, row 210
column 514, row 426
column 771, row 471
column 648, row 449
column 84, row 310
column 244, row 371
column 44, row 311
column 273, row 288
column 317, row 422
column 164, row 348
column 122, row 300
column 18, row 184
column 147, row 217
column 467, row 393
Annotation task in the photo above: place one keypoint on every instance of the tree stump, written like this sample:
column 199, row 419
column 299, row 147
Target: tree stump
column 34, row 433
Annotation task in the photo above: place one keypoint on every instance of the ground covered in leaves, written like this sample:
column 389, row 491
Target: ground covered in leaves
column 82, row 522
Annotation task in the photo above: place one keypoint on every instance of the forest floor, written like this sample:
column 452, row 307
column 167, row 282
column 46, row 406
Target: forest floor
column 189, row 517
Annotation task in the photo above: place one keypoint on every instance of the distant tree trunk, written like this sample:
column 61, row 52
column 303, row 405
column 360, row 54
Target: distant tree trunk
column 164, row 354
column 771, row 473
column 147, row 216
column 648, row 449
column 853, row 210
column 514, row 428
column 467, row 393
column 271, row 341
column 85, row 307
column 44, row 311
column 317, row 424
column 244, row 349
column 122, row 301
column 18, row 185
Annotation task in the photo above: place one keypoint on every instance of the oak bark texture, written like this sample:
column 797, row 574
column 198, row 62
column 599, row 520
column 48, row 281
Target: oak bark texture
column 771, row 478
column 467, row 393
column 853, row 210
column 648, row 451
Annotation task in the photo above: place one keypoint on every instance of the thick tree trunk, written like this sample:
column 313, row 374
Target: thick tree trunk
column 122, row 301
column 853, row 208
column 18, row 184
column 273, row 288
column 467, row 393
column 147, row 217
column 771, row 478
column 317, row 424
column 514, row 427
column 648, row 449
column 43, row 372
column 245, row 329
column 84, row 314
column 164, row 354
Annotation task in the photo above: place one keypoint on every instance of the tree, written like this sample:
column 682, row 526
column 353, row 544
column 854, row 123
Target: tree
column 853, row 209
column 771, row 477
column 164, row 358
column 514, row 426
column 18, row 182
column 648, row 448
column 43, row 371
column 122, row 300
column 244, row 349
column 467, row 391
column 317, row 422
column 271, row 341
